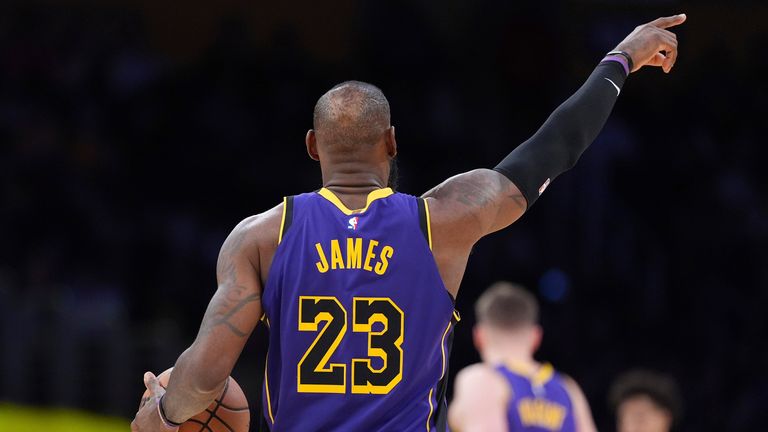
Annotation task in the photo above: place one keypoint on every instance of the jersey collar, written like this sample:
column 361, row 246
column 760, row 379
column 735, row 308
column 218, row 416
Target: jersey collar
column 373, row 196
column 538, row 376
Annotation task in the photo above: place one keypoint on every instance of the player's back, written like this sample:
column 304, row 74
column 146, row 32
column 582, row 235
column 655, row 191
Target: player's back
column 539, row 401
column 359, row 319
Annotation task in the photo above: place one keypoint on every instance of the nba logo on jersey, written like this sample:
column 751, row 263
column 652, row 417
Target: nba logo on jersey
column 353, row 223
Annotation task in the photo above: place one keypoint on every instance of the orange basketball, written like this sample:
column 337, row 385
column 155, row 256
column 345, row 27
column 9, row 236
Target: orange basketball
column 228, row 413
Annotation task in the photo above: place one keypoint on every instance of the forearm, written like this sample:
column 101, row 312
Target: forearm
column 193, row 386
column 568, row 131
column 202, row 370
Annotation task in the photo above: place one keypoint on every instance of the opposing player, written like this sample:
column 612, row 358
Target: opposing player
column 356, row 282
column 509, row 390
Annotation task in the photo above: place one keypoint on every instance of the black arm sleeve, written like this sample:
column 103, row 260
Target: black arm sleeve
column 571, row 128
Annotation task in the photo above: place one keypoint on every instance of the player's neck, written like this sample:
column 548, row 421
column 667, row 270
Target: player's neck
column 352, row 180
column 354, row 175
column 510, row 355
column 352, row 187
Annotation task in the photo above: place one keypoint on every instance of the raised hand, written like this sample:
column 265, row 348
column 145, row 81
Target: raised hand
column 652, row 44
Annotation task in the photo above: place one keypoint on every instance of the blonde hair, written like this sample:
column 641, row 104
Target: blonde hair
column 507, row 306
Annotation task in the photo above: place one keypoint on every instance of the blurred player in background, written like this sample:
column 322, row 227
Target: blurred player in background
column 356, row 282
column 509, row 390
column 645, row 401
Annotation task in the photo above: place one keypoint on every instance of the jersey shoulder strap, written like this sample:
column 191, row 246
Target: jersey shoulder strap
column 424, row 222
column 287, row 219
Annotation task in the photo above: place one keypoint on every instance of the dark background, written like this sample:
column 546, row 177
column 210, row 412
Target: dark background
column 135, row 134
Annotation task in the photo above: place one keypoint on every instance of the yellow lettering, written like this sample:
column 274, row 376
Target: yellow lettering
column 386, row 252
column 541, row 413
column 354, row 253
column 322, row 265
column 337, row 260
column 370, row 255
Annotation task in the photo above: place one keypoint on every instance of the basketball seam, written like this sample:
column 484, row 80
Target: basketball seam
column 221, row 420
column 222, row 404
column 219, row 403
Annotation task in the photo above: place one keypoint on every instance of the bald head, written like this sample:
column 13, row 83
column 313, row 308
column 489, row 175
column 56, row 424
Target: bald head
column 350, row 115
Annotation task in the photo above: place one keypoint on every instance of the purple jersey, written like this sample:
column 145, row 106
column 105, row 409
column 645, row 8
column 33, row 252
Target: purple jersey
column 360, row 322
column 539, row 402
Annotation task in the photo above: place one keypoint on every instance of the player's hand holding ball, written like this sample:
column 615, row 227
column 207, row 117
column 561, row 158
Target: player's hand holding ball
column 148, row 418
column 227, row 413
column 652, row 44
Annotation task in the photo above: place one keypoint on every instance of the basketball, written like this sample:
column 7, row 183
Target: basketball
column 228, row 413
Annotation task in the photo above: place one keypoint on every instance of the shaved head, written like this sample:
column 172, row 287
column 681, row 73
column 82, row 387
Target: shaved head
column 351, row 115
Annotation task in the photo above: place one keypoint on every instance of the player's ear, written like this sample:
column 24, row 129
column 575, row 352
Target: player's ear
column 478, row 337
column 311, row 141
column 391, row 142
column 537, row 334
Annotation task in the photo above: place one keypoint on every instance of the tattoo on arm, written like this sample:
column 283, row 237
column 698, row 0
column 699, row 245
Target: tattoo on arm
column 231, row 296
column 485, row 197
column 472, row 194
column 225, row 267
column 224, row 309
column 469, row 192
column 479, row 190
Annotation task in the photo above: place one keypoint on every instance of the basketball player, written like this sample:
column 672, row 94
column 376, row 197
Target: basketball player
column 509, row 390
column 355, row 282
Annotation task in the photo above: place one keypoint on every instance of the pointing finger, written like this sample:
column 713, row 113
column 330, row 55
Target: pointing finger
column 667, row 22
column 668, row 34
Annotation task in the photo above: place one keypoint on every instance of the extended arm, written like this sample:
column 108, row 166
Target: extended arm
column 233, row 312
column 201, row 371
column 483, row 201
column 493, row 199
column 572, row 127
column 568, row 131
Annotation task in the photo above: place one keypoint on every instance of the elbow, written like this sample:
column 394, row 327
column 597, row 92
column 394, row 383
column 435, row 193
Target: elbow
column 212, row 383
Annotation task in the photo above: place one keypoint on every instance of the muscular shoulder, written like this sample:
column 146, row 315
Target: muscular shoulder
column 262, row 229
column 480, row 399
column 475, row 200
column 570, row 384
column 255, row 239
column 582, row 412
column 463, row 209
column 484, row 377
